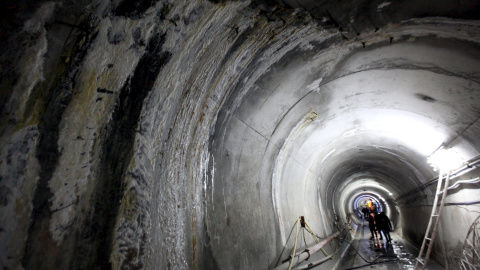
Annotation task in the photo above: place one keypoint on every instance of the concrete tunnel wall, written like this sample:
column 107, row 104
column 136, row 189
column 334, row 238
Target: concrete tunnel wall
column 193, row 134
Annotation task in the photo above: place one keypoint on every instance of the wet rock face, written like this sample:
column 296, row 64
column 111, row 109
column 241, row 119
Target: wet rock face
column 133, row 9
column 127, row 138
column 118, row 140
column 106, row 139
column 72, row 215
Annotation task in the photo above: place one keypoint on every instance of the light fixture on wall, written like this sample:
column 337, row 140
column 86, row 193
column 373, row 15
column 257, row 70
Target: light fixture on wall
column 445, row 159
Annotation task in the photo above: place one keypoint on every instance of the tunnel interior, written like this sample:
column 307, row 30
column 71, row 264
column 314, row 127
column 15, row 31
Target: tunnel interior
column 194, row 134
column 368, row 128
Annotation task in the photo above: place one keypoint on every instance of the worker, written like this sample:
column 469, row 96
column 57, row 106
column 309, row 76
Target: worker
column 372, row 225
column 373, row 208
column 365, row 212
column 384, row 226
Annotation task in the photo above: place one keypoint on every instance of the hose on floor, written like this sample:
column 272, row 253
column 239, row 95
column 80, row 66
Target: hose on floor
column 369, row 264
column 367, row 261
column 316, row 239
column 291, row 257
column 316, row 263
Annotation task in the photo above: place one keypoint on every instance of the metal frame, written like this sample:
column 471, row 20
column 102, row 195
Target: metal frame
column 430, row 236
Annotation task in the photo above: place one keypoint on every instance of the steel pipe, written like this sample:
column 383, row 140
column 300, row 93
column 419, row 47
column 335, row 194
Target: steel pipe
column 310, row 265
column 306, row 254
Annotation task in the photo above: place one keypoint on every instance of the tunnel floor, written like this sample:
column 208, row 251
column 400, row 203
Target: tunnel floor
column 378, row 254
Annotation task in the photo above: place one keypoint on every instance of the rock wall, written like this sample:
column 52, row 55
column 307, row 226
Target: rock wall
column 107, row 116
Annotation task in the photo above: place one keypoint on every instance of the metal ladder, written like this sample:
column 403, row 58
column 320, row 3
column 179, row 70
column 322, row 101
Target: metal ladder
column 429, row 234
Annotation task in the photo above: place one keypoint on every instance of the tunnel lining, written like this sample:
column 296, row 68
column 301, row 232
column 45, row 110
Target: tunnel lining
column 255, row 107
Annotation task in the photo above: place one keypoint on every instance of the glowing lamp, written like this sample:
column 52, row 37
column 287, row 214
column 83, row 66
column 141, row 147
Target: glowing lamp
column 445, row 159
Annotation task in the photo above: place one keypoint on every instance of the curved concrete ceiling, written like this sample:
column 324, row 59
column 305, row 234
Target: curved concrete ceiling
column 357, row 115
